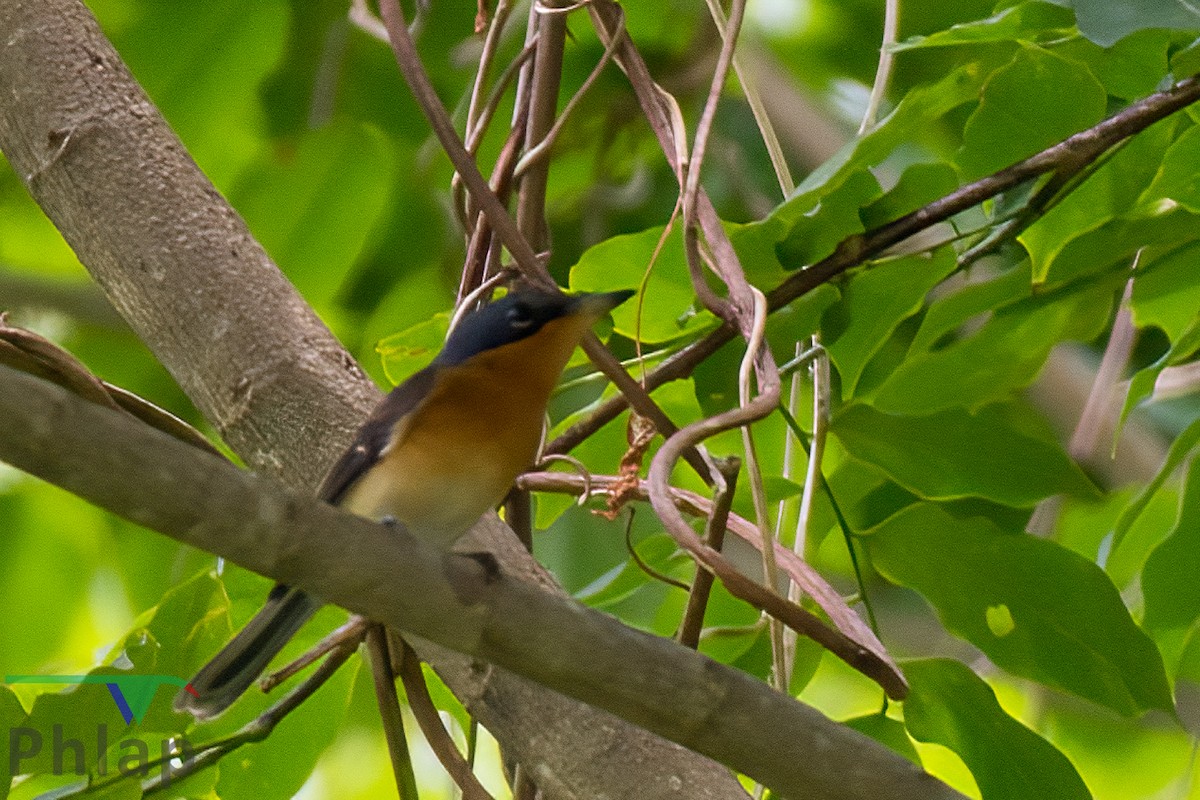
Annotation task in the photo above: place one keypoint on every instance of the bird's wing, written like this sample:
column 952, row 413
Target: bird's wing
column 375, row 435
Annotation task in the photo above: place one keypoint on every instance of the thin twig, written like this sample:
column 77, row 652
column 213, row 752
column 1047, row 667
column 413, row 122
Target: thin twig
column 813, row 474
column 491, row 41
column 258, row 728
column 714, row 537
column 389, row 711
column 350, row 633
column 542, row 148
column 757, row 491
column 783, row 175
column 427, row 717
column 499, row 218
column 696, row 505
column 883, row 72
column 856, row 249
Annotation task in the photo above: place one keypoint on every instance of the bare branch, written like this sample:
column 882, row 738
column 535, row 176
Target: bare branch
column 386, row 574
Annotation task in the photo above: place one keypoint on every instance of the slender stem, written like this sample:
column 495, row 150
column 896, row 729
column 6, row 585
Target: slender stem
column 389, row 711
column 783, row 175
column 714, row 537
column 883, row 72
column 426, row 714
column 854, row 250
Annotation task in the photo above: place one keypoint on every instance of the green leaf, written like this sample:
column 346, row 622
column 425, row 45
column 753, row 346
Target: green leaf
column 815, row 233
column 917, row 111
column 1013, row 122
column 955, row 454
column 952, row 706
column 1069, row 628
column 1142, row 384
column 1005, row 354
column 874, row 302
column 1177, row 179
column 1169, row 576
column 918, row 186
column 12, row 718
column 886, row 731
column 667, row 309
column 1106, row 21
column 1166, row 292
column 278, row 766
column 412, row 349
column 1032, row 21
column 975, row 299
column 1097, row 207
column 1179, row 451
column 330, row 184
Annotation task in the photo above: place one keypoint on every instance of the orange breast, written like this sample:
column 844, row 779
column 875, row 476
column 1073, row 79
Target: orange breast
column 458, row 452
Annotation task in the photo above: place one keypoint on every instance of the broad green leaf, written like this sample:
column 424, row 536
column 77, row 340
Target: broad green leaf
column 666, row 310
column 331, row 183
column 1186, row 62
column 12, row 718
column 1005, row 354
column 1013, row 122
column 874, row 302
column 1177, row 179
column 1169, row 577
column 410, row 350
column 1130, row 69
column 952, row 706
column 1069, row 628
column 1106, row 21
column 278, row 766
column 918, row 186
column 886, row 731
column 955, row 454
column 1183, row 446
column 1031, row 21
column 949, row 313
column 814, row 234
column 1143, row 383
column 1166, row 292
column 1098, row 204
column 917, row 111
column 659, row 552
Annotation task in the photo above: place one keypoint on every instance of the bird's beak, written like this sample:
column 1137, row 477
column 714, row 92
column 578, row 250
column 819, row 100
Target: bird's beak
column 597, row 305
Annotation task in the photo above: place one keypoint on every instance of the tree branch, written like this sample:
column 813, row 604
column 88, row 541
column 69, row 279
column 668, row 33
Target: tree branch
column 386, row 574
column 1088, row 145
column 181, row 267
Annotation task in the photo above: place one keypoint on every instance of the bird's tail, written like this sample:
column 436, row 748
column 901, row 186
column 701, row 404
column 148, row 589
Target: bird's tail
column 230, row 673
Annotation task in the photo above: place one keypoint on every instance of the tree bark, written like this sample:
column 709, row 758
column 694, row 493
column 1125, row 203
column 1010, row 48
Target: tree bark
column 503, row 618
column 181, row 267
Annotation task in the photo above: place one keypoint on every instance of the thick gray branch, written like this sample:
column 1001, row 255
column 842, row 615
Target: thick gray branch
column 450, row 599
column 183, row 270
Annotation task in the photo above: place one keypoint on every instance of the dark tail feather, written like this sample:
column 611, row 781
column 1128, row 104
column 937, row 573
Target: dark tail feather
column 230, row 673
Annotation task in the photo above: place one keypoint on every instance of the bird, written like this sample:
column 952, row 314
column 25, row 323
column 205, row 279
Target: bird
column 438, row 452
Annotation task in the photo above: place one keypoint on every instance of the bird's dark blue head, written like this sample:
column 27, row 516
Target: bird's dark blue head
column 517, row 315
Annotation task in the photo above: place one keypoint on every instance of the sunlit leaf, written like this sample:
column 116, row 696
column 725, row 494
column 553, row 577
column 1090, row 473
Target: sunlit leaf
column 873, row 303
column 952, row 706
column 1169, row 575
column 1012, row 123
column 1069, row 628
column 956, row 454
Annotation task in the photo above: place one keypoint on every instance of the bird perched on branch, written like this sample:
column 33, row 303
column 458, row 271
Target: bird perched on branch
column 438, row 452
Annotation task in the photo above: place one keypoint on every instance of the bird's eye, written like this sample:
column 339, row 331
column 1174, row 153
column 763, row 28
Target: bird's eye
column 520, row 316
